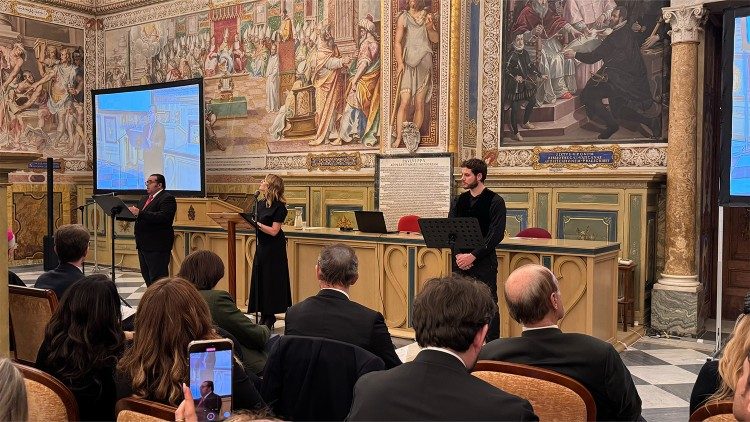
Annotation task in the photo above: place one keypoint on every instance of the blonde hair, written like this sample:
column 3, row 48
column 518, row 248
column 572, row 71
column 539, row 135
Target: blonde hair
column 13, row 405
column 730, row 365
column 275, row 190
column 170, row 315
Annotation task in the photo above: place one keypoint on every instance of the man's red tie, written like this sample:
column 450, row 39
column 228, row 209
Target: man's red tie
column 148, row 201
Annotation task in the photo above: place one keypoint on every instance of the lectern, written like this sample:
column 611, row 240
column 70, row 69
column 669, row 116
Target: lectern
column 230, row 221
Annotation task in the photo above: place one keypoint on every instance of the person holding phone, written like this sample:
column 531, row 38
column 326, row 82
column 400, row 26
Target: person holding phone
column 269, row 285
column 170, row 316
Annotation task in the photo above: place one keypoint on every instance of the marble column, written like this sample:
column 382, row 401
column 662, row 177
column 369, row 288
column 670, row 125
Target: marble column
column 9, row 161
column 678, row 293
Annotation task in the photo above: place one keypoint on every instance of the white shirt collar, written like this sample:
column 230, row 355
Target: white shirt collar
column 540, row 328
column 448, row 351
column 338, row 290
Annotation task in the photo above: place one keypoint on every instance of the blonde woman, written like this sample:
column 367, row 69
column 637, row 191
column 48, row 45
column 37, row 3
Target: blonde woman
column 717, row 380
column 13, row 406
column 269, row 285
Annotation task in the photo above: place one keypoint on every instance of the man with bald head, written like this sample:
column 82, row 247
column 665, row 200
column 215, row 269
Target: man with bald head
column 533, row 296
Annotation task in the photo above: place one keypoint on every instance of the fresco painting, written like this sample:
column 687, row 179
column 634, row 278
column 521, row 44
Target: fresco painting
column 42, row 88
column 281, row 76
column 582, row 71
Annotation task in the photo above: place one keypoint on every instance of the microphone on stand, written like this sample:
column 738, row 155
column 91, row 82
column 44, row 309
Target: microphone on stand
column 255, row 203
column 256, row 195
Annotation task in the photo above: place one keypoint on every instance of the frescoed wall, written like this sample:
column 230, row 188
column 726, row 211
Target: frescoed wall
column 42, row 88
column 583, row 71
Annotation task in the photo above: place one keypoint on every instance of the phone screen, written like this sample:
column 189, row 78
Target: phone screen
column 211, row 382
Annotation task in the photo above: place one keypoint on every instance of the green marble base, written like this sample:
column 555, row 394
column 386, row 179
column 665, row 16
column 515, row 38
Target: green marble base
column 236, row 107
column 676, row 310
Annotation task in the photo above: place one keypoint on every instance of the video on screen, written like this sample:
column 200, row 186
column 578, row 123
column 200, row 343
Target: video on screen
column 211, row 384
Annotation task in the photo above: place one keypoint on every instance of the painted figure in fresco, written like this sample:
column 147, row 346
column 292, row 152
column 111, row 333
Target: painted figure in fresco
column 238, row 54
column 11, row 60
column 63, row 78
column 212, row 59
column 226, row 62
column 48, row 60
column 622, row 80
column 588, row 17
column 173, row 73
column 286, row 29
column 361, row 118
column 285, row 111
column 415, row 33
column 272, row 80
column 520, row 81
column 542, row 28
column 328, row 79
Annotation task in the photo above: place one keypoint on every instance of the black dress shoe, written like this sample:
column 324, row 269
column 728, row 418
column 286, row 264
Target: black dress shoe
column 609, row 131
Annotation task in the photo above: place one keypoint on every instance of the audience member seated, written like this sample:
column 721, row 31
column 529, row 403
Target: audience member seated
column 533, row 296
column 204, row 269
column 718, row 378
column 82, row 344
column 450, row 319
column 330, row 314
column 741, row 405
column 71, row 246
column 170, row 315
column 13, row 278
column 13, row 405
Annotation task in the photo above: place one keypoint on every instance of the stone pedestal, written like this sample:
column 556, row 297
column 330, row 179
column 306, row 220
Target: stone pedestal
column 678, row 294
column 9, row 161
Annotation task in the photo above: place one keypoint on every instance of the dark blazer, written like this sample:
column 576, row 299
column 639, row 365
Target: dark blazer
column 252, row 337
column 434, row 386
column 210, row 404
column 59, row 279
column 153, row 227
column 588, row 360
column 332, row 315
column 707, row 383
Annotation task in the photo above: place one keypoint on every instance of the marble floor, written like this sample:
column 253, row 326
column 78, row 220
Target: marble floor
column 663, row 369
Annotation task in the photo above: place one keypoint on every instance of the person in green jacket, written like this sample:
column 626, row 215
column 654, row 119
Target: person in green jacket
column 204, row 269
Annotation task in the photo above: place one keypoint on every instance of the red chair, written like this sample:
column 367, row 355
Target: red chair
column 409, row 223
column 535, row 232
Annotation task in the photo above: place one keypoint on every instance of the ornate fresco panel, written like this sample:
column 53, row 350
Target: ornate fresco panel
column 44, row 77
column 585, row 70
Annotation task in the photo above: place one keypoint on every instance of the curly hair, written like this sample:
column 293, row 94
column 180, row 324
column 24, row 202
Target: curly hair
column 735, row 353
column 170, row 315
column 85, row 332
column 275, row 189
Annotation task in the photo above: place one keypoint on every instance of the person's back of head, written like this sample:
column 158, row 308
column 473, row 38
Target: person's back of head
column 71, row 242
column 533, row 296
column 170, row 315
column 202, row 268
column 85, row 332
column 449, row 312
column 13, row 405
column 735, row 352
column 337, row 266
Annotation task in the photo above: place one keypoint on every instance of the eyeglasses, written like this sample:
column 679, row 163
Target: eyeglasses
column 148, row 182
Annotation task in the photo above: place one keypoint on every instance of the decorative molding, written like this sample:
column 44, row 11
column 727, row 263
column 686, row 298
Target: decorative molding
column 615, row 150
column 160, row 10
column 634, row 156
column 687, row 23
column 489, row 64
column 335, row 161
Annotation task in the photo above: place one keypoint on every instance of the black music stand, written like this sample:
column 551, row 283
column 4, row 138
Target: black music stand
column 114, row 207
column 453, row 233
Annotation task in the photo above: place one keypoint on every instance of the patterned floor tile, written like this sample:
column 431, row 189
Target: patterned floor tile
column 663, row 374
column 696, row 369
column 666, row 415
column 653, row 397
column 640, row 358
column 679, row 356
column 680, row 390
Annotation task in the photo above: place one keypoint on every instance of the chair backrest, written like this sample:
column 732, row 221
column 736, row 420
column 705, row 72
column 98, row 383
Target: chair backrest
column 311, row 378
column 535, row 232
column 554, row 396
column 714, row 412
column 409, row 223
column 132, row 409
column 48, row 398
column 30, row 311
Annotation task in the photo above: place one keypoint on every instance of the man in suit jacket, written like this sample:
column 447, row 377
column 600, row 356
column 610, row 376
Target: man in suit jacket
column 533, row 297
column 332, row 315
column 71, row 247
column 451, row 318
column 154, row 234
column 154, row 139
column 209, row 403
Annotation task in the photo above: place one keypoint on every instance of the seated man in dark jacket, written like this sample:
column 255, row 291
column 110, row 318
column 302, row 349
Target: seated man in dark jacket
column 71, row 247
column 332, row 315
column 533, row 297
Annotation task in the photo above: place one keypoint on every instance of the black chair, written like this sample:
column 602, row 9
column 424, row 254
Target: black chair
column 311, row 378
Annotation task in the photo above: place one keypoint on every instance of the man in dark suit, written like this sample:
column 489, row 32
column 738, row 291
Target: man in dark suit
column 71, row 247
column 332, row 315
column 154, row 139
column 533, row 297
column 154, row 234
column 209, row 403
column 451, row 318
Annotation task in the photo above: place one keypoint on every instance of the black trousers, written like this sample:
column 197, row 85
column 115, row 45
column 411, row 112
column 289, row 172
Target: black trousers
column 515, row 109
column 592, row 96
column 154, row 265
column 485, row 272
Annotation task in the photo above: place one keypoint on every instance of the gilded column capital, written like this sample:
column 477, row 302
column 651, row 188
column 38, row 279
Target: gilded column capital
column 686, row 22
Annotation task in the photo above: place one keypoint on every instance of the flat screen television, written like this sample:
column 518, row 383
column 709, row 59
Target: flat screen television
column 734, row 187
column 149, row 129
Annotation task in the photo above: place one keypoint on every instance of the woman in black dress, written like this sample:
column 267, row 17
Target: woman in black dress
column 269, row 286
